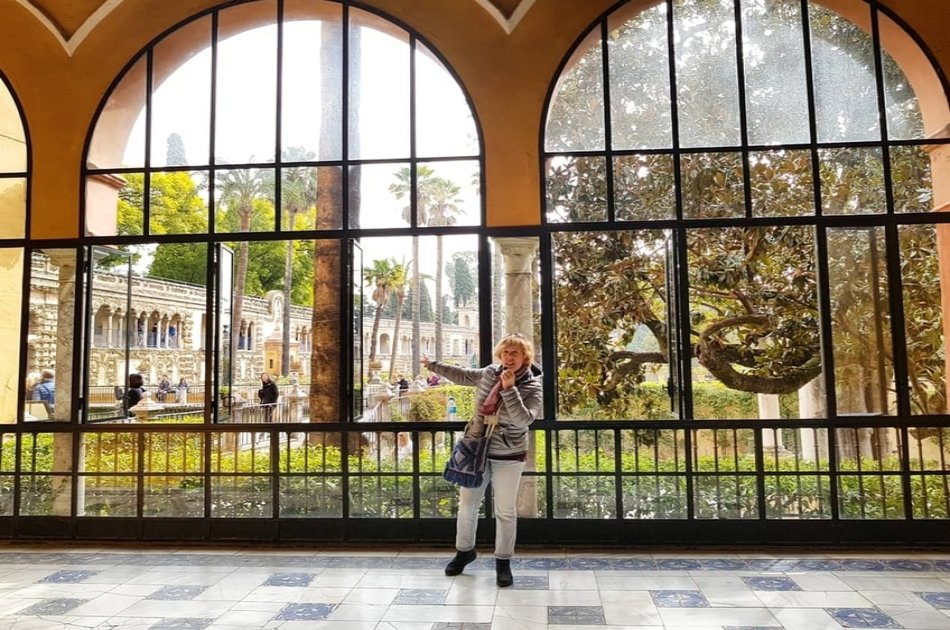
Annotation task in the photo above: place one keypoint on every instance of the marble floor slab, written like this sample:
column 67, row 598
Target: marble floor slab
column 153, row 587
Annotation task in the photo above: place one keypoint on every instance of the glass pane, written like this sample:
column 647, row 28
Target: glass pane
column 245, row 114
column 444, row 121
column 792, row 457
column 115, row 204
column 166, row 333
column 379, row 195
column 707, row 93
column 868, row 486
column 378, row 88
column 46, row 459
column 649, row 490
column 576, row 189
column 904, row 118
column 724, row 487
column 929, row 450
column 912, row 178
column 298, row 196
column 312, row 74
column 852, row 180
column 11, row 321
column 401, row 288
column 640, row 115
column 861, row 322
column 611, row 319
column 447, row 194
column 181, row 96
column 12, row 207
column 308, row 491
column 245, row 200
column 267, row 331
column 108, row 333
column 644, row 188
column 178, row 202
column 843, row 71
column 782, row 183
column 774, row 64
column 576, row 113
column 712, row 185
column 923, row 320
column 12, row 134
column 754, row 313
column 119, row 138
column 52, row 331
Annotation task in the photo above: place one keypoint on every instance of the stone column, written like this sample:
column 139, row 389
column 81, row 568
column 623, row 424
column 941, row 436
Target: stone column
column 107, row 326
column 811, row 404
column 518, row 255
column 65, row 261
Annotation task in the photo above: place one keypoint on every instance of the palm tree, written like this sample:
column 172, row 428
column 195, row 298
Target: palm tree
column 437, row 205
column 380, row 276
column 240, row 188
column 444, row 209
column 298, row 193
column 398, row 288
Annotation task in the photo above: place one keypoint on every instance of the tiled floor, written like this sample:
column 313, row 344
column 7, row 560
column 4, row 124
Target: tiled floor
column 44, row 587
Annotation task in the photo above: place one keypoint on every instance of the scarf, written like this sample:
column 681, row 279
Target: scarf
column 490, row 405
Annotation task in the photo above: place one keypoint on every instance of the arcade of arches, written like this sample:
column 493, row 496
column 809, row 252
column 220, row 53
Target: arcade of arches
column 721, row 221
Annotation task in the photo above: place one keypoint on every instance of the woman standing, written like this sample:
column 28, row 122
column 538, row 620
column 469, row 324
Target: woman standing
column 508, row 395
column 268, row 395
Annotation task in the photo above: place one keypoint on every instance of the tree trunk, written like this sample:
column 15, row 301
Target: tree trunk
column 325, row 359
column 288, row 282
column 240, row 280
column 416, row 303
column 438, row 298
column 400, row 298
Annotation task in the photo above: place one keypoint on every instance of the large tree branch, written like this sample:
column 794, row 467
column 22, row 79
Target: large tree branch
column 714, row 359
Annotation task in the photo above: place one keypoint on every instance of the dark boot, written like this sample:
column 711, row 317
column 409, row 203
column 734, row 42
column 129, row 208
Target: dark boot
column 503, row 575
column 457, row 564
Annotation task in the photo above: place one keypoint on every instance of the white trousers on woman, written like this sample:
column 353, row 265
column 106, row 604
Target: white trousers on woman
column 505, row 476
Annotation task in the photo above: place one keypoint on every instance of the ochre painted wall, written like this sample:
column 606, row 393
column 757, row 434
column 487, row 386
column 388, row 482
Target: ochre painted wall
column 507, row 76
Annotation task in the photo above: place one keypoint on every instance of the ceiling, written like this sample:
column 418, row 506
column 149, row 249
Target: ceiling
column 70, row 21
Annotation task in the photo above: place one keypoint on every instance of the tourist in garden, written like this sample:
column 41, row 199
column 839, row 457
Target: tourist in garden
column 508, row 394
column 182, row 396
column 268, row 395
column 45, row 390
column 134, row 393
column 164, row 388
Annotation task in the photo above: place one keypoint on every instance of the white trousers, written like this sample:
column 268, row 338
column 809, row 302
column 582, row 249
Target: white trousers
column 505, row 476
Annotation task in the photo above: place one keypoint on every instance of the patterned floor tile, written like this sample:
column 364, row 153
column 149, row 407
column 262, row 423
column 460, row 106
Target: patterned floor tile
column 576, row 615
column 940, row 601
column 59, row 606
column 862, row 618
column 461, row 626
column 420, row 597
column 304, row 612
column 290, row 579
column 178, row 592
column 679, row 599
column 69, row 577
column 182, row 623
column 770, row 583
column 531, row 583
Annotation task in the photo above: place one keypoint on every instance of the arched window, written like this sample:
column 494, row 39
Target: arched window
column 275, row 133
column 741, row 197
column 14, row 177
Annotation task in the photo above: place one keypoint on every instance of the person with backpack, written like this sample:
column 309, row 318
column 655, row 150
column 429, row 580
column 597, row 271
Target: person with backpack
column 45, row 390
